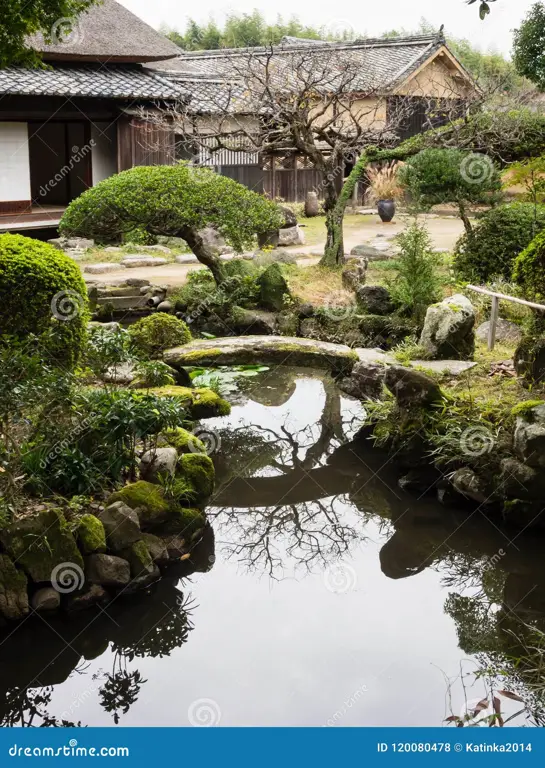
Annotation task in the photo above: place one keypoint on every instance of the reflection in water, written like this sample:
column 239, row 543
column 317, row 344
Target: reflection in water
column 297, row 494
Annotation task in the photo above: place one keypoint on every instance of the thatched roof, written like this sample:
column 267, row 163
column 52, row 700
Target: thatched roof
column 107, row 32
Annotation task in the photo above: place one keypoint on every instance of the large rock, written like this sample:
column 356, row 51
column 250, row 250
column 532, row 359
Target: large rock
column 13, row 591
column 147, row 500
column 265, row 350
column 42, row 544
column 448, row 330
column 371, row 252
column 139, row 559
column 470, row 485
column 265, row 258
column 135, row 261
column 365, row 382
column 374, row 299
column 121, row 525
column 156, row 548
column 290, row 219
column 291, row 236
column 520, row 481
column 103, row 268
column 157, row 463
column 94, row 594
column 411, row 388
column 215, row 241
column 66, row 243
column 45, row 600
column 107, row 570
column 505, row 331
column 274, row 291
column 529, row 437
column 312, row 205
column 529, row 360
column 354, row 274
column 253, row 321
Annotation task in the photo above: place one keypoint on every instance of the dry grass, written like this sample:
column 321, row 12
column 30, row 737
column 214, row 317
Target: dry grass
column 315, row 284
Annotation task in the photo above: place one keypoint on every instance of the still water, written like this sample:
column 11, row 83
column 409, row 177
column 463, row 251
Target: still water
column 321, row 595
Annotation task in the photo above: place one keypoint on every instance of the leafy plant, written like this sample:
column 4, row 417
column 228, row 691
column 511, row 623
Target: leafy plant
column 106, row 350
column 417, row 284
column 153, row 334
column 529, row 268
column 153, row 373
column 42, row 292
column 497, row 239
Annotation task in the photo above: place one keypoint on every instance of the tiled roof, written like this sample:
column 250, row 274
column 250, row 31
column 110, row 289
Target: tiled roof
column 91, row 80
column 380, row 63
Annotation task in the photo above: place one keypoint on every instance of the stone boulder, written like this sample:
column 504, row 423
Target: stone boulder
column 448, row 330
column 374, row 299
column 94, row 594
column 529, row 360
column 134, row 261
column 520, row 481
column 354, row 274
column 103, row 268
column 274, row 290
column 505, row 331
column 290, row 219
column 312, row 205
column 41, row 543
column 121, row 525
column 156, row 548
column 411, row 388
column 157, row 463
column 107, row 570
column 139, row 559
column 470, row 485
column 46, row 599
column 265, row 258
column 214, row 241
column 65, row 243
column 365, row 382
column 13, row 591
column 371, row 252
column 529, row 437
column 253, row 321
column 291, row 236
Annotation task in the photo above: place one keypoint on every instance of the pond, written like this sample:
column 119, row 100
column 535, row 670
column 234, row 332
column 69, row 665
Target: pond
column 321, row 595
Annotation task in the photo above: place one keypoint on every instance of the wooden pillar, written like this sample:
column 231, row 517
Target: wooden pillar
column 493, row 323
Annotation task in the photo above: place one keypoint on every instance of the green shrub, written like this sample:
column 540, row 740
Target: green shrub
column 42, row 292
column 153, row 334
column 417, row 284
column 201, row 297
column 497, row 239
column 138, row 236
column 170, row 201
column 529, row 268
column 437, row 176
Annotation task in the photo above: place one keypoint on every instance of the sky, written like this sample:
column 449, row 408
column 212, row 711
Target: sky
column 367, row 17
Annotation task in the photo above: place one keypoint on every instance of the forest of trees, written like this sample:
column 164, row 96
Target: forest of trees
column 251, row 29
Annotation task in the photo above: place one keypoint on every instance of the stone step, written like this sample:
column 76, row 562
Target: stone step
column 123, row 302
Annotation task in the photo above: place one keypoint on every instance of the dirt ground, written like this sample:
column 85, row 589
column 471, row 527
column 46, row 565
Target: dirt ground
column 444, row 231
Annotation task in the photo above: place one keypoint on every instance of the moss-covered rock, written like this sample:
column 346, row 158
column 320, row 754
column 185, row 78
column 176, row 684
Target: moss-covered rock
column 91, row 534
column 147, row 499
column 139, row 559
column 198, row 470
column 184, row 441
column 13, row 591
column 40, row 543
column 200, row 403
column 274, row 290
column 184, row 521
column 156, row 548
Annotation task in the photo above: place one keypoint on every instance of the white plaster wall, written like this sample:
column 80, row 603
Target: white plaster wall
column 104, row 152
column 14, row 162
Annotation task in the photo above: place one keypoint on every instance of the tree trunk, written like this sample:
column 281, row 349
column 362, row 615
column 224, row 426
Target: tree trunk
column 334, row 247
column 465, row 218
column 204, row 253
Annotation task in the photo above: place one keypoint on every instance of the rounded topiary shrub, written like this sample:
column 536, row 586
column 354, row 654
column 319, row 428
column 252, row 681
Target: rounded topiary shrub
column 42, row 292
column 153, row 334
column 498, row 238
column 529, row 268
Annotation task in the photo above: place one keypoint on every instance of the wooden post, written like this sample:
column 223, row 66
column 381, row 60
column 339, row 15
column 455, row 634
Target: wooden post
column 493, row 323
